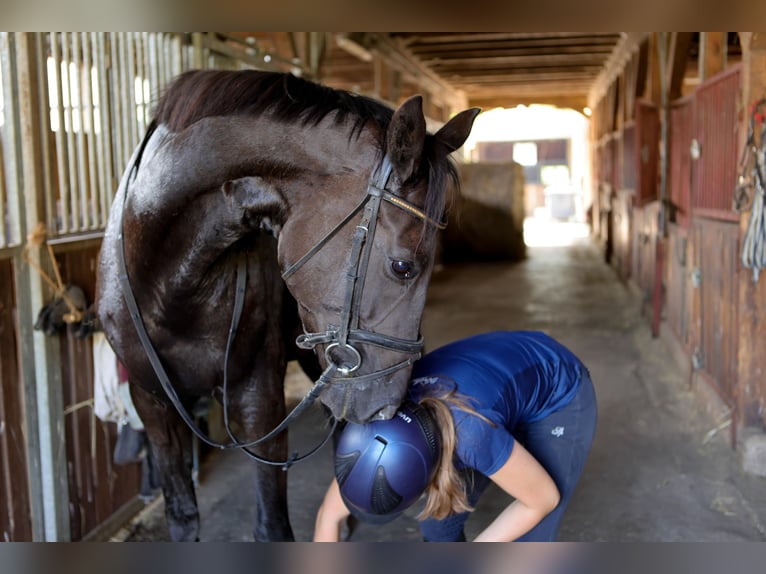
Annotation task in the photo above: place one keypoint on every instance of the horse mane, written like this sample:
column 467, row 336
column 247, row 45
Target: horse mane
column 198, row 94
column 203, row 93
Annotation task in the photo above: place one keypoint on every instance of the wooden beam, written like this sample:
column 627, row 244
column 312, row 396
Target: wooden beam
column 712, row 56
column 643, row 67
column 678, row 60
column 396, row 55
column 631, row 80
column 653, row 91
column 284, row 45
column 525, row 37
column 622, row 52
column 527, row 59
column 489, row 102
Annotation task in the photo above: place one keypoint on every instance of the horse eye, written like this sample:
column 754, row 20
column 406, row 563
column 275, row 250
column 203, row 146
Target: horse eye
column 402, row 269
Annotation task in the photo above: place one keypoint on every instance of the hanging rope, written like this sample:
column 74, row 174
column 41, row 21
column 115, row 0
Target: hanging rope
column 753, row 177
column 37, row 238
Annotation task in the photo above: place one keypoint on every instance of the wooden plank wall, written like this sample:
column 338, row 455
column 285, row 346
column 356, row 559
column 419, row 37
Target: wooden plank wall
column 715, row 127
column 629, row 166
column 678, row 300
column 15, row 517
column 679, row 176
column 716, row 120
column 717, row 257
column 622, row 216
column 647, row 151
column 644, row 247
column 97, row 487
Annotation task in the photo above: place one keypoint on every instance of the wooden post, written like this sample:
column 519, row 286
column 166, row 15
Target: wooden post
column 40, row 354
column 677, row 60
column 659, row 268
column 712, row 54
column 12, row 167
column 653, row 82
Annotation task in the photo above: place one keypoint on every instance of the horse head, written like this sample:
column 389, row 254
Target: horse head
column 359, row 265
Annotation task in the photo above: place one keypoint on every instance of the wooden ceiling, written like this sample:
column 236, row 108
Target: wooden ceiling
column 454, row 70
column 505, row 69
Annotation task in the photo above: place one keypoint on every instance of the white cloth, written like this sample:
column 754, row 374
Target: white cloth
column 111, row 398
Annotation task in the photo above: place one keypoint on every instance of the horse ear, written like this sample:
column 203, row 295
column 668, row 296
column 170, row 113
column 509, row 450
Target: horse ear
column 259, row 203
column 454, row 133
column 406, row 137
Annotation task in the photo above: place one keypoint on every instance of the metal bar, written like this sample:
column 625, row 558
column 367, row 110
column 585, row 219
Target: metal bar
column 62, row 151
column 177, row 55
column 5, row 128
column 89, row 129
column 105, row 131
column 153, row 64
column 70, row 210
column 131, row 94
column 116, row 101
column 147, row 75
column 3, row 238
column 138, row 84
column 45, row 132
column 160, row 55
column 82, row 189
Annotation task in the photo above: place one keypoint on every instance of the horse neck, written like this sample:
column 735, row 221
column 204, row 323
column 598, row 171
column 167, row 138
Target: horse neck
column 176, row 199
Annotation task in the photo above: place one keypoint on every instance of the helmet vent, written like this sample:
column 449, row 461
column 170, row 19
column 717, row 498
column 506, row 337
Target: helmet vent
column 431, row 432
column 384, row 499
column 344, row 464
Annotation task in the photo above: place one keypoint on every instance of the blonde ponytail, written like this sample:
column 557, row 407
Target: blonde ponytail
column 447, row 492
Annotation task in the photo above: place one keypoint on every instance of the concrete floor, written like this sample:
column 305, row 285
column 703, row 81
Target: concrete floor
column 661, row 468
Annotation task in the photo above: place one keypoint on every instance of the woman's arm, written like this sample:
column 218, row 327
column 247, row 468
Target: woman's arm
column 330, row 515
column 535, row 496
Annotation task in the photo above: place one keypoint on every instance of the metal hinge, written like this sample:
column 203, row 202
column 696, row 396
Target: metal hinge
column 696, row 277
column 698, row 359
column 695, row 150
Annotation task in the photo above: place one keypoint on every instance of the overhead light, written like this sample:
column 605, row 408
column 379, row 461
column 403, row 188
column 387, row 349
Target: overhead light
column 587, row 111
column 354, row 48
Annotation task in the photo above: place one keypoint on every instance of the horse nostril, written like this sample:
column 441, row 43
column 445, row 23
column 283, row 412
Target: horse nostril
column 385, row 413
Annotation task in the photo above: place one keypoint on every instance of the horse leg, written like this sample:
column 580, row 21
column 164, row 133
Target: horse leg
column 258, row 407
column 170, row 441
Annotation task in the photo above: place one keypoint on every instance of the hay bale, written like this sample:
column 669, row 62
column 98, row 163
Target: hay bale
column 487, row 220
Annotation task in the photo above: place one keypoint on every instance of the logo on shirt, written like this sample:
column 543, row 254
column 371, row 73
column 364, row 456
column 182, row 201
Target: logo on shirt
column 425, row 381
column 558, row 431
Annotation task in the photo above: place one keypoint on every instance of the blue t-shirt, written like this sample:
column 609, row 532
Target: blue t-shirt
column 511, row 377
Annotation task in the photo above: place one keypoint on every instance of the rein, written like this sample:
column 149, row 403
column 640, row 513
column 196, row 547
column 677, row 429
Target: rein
column 333, row 338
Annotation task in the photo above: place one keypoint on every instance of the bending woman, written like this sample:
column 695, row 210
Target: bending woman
column 513, row 407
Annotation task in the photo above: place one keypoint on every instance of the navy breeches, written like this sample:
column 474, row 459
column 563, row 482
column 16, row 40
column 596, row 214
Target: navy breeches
column 560, row 442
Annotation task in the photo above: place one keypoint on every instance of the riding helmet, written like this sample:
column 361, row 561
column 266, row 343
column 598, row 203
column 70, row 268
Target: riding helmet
column 383, row 467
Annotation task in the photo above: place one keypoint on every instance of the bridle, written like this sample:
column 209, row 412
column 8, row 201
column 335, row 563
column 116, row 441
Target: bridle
column 340, row 338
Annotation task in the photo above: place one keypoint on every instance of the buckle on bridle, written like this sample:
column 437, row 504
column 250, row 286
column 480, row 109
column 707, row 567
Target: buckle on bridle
column 343, row 368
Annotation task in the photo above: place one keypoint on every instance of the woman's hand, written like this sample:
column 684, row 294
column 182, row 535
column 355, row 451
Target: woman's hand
column 330, row 516
column 534, row 490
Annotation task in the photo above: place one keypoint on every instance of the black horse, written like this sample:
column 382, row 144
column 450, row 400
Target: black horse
column 258, row 207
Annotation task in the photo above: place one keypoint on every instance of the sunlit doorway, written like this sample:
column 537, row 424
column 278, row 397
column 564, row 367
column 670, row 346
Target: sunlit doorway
column 551, row 144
